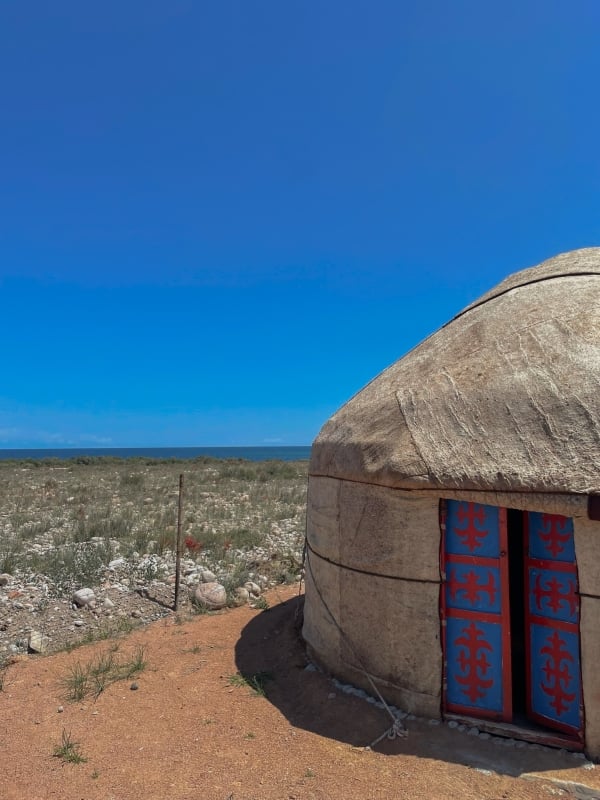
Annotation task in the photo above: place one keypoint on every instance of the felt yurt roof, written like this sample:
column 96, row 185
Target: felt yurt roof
column 504, row 397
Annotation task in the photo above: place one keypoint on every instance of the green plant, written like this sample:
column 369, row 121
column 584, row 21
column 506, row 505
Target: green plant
column 261, row 603
column 106, row 668
column 77, row 683
column 256, row 682
column 11, row 553
column 136, row 664
column 132, row 480
column 68, row 750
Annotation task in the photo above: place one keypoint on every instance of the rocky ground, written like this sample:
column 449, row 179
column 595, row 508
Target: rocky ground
column 224, row 706
column 88, row 550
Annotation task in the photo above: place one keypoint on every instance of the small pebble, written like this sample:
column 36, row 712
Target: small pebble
column 434, row 722
column 134, row 686
column 60, row 709
column 453, row 723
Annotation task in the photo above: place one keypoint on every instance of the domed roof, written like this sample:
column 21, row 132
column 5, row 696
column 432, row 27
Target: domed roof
column 505, row 397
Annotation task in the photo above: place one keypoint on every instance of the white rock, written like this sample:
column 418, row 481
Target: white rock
column 242, row 594
column 191, row 571
column 38, row 643
column 83, row 597
column 108, row 603
column 253, row 588
column 5, row 579
column 206, row 576
column 212, row 595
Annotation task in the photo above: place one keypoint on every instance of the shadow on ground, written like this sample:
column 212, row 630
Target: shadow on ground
column 271, row 644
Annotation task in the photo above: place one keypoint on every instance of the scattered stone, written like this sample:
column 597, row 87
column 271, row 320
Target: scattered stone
column 134, row 686
column 38, row 643
column 331, row 696
column 60, row 709
column 79, row 623
column 108, row 603
column 187, row 571
column 434, row 721
column 5, row 579
column 453, row 723
column 473, row 732
column 206, row 576
column 485, row 736
column 83, row 597
column 253, row 588
column 242, row 594
column 211, row 595
column 136, row 613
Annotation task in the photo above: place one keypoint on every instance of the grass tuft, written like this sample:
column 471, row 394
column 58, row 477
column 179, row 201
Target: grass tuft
column 256, row 682
column 93, row 678
column 68, row 750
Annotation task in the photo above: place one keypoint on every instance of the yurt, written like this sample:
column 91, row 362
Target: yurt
column 453, row 533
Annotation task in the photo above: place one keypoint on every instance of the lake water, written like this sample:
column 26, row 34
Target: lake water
column 248, row 453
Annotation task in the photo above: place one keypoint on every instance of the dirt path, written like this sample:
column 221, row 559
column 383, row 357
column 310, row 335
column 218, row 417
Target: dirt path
column 187, row 732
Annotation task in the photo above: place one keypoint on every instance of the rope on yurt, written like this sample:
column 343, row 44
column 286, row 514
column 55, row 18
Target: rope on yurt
column 397, row 728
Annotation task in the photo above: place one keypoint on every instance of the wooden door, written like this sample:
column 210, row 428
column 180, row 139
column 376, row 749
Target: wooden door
column 475, row 610
column 554, row 697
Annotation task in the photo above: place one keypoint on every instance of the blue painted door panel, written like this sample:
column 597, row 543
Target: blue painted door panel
column 552, row 622
column 475, row 612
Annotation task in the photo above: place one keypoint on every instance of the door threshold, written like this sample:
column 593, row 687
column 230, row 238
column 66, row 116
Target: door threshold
column 527, row 733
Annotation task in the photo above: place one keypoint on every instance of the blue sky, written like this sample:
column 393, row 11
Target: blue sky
column 219, row 220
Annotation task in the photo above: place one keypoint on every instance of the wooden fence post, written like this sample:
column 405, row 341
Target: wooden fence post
column 178, row 545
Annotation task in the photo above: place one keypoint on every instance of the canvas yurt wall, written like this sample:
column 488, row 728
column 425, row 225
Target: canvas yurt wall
column 498, row 410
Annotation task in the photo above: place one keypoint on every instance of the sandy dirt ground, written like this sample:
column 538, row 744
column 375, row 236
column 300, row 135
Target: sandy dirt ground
column 190, row 730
